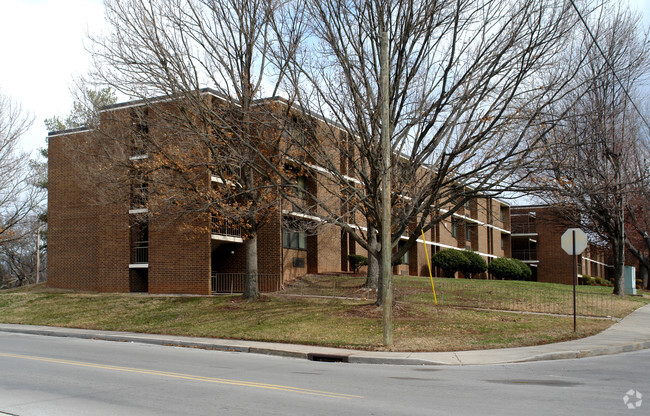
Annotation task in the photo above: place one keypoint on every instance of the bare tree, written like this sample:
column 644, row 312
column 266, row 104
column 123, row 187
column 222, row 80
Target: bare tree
column 18, row 194
column 18, row 257
column 174, row 49
column 591, row 159
column 471, row 83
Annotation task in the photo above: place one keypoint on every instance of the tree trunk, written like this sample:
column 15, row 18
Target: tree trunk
column 380, row 283
column 643, row 275
column 373, row 260
column 251, row 291
column 619, row 270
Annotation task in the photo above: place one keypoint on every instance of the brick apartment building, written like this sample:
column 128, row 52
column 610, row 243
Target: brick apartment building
column 105, row 246
column 536, row 233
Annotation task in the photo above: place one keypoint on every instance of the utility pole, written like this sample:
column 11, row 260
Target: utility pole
column 38, row 253
column 574, row 280
column 386, row 247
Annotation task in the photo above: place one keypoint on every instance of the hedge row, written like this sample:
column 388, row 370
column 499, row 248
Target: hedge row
column 469, row 262
column 452, row 261
column 509, row 269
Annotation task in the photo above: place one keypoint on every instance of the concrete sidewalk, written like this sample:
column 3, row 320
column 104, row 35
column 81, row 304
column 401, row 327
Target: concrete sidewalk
column 630, row 334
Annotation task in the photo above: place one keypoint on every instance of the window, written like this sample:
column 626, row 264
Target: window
column 504, row 213
column 468, row 204
column 295, row 184
column 139, row 193
column 296, row 132
column 503, row 242
column 405, row 257
column 141, row 130
column 294, row 239
column 300, row 189
column 468, row 233
column 454, row 229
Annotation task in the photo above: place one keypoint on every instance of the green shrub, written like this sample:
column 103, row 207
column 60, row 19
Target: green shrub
column 475, row 263
column 356, row 261
column 586, row 280
column 593, row 281
column 450, row 261
column 502, row 268
column 509, row 269
column 525, row 272
column 602, row 282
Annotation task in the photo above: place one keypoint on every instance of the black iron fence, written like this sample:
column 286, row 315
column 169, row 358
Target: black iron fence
column 236, row 282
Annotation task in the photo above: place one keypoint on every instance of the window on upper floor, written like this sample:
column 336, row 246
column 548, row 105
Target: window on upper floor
column 504, row 213
column 300, row 189
column 454, row 229
column 405, row 257
column 140, row 123
column 294, row 239
column 296, row 183
column 139, row 191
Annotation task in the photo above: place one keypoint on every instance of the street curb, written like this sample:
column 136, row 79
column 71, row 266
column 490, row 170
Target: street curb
column 346, row 356
column 396, row 361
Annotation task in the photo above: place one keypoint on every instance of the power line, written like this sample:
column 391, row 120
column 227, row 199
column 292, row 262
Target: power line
column 593, row 38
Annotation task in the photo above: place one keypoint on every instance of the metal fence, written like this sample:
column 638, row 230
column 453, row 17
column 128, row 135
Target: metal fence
column 457, row 292
column 482, row 294
column 236, row 283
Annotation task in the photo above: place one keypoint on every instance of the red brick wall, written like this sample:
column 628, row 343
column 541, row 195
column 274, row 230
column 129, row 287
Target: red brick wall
column 179, row 255
column 554, row 264
column 87, row 237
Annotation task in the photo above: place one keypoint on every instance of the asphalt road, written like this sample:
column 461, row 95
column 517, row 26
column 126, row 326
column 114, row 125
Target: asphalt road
column 64, row 376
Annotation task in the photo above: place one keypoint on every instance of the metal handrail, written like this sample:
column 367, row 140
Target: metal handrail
column 140, row 252
column 225, row 228
column 524, row 254
column 524, row 228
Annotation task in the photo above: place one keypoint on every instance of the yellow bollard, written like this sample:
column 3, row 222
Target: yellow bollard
column 426, row 253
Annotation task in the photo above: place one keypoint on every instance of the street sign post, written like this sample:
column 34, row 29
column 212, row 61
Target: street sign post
column 574, row 242
column 567, row 241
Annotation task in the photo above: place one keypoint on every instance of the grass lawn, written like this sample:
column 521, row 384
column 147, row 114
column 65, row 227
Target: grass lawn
column 419, row 325
column 521, row 296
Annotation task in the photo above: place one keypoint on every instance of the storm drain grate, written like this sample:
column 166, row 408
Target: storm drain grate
column 328, row 358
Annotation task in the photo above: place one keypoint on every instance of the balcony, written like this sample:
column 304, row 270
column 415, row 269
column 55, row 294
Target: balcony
column 139, row 200
column 225, row 231
column 524, row 228
column 139, row 254
column 525, row 255
column 138, row 149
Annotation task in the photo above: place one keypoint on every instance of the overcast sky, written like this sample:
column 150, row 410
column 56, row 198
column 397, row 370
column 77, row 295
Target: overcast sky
column 42, row 49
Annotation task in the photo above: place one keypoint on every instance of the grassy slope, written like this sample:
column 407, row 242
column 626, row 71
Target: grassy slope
column 419, row 326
